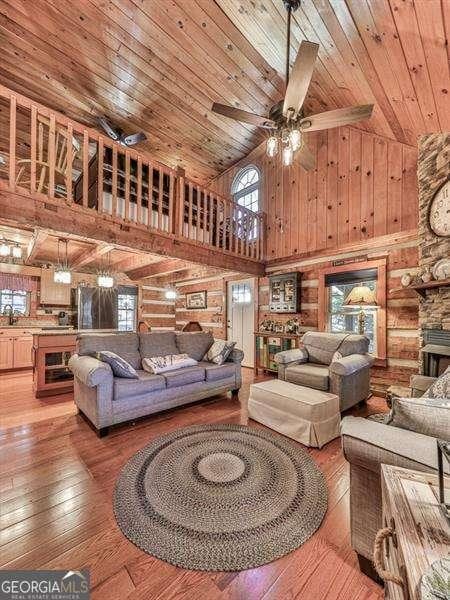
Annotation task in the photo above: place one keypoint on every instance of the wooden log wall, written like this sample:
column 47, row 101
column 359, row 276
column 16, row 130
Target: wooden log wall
column 364, row 186
column 155, row 309
column 402, row 306
column 213, row 317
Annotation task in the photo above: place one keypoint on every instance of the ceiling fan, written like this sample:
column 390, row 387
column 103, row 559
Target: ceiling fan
column 118, row 135
column 287, row 121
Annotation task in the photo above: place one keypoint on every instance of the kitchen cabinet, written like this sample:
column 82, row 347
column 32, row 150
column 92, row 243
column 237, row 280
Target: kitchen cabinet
column 22, row 348
column 52, row 293
column 6, row 352
column 16, row 349
column 51, row 374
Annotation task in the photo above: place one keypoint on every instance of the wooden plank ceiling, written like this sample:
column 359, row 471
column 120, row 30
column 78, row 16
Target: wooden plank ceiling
column 157, row 66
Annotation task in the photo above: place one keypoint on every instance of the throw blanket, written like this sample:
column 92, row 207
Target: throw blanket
column 160, row 364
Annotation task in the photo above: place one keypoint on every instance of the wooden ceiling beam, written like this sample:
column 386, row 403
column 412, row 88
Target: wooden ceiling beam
column 35, row 245
column 155, row 269
column 90, row 255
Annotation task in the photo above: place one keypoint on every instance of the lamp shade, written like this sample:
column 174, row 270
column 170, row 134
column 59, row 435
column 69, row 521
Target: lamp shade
column 361, row 295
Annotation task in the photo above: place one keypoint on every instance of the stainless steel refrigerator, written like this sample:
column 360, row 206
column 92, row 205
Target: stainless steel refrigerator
column 97, row 307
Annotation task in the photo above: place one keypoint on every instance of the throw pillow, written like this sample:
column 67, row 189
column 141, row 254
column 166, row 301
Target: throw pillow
column 195, row 343
column 429, row 416
column 219, row 351
column 120, row 367
column 160, row 364
column 441, row 387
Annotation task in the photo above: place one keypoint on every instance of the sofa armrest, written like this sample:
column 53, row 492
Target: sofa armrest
column 89, row 370
column 236, row 356
column 351, row 364
column 369, row 444
column 420, row 383
column 296, row 355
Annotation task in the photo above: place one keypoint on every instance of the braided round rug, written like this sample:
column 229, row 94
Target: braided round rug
column 220, row 497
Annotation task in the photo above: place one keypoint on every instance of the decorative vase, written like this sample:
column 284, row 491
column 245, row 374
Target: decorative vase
column 426, row 275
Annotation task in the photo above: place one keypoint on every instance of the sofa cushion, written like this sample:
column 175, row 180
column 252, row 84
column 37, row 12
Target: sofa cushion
column 184, row 376
column 429, row 416
column 160, row 364
column 157, row 343
column 441, row 387
column 144, row 384
column 220, row 351
column 310, row 375
column 119, row 366
column 322, row 346
column 215, row 372
column 196, row 343
column 126, row 345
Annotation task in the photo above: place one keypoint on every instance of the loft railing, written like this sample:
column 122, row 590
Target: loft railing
column 45, row 154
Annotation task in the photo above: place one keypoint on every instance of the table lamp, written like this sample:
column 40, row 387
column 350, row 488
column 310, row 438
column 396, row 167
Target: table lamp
column 361, row 297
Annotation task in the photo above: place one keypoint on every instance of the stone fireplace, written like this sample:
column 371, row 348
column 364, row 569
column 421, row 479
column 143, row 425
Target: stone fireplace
column 434, row 305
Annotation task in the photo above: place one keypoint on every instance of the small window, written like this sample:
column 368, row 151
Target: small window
column 241, row 293
column 245, row 188
column 127, row 312
column 17, row 300
column 345, row 319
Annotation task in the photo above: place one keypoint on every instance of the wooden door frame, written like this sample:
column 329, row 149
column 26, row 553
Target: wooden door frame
column 380, row 265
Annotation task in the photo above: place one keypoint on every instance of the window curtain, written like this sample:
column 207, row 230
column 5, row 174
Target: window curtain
column 10, row 281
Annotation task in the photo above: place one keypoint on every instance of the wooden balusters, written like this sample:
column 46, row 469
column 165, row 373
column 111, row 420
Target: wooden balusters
column 114, row 182
column 100, row 155
column 170, row 224
column 33, row 144
column 69, row 162
column 127, row 214
column 12, row 142
column 175, row 205
column 139, row 191
column 190, row 228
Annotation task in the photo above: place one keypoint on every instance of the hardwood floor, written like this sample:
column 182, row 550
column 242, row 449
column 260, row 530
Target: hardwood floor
column 56, row 485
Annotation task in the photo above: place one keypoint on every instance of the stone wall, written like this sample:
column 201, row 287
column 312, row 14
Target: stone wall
column 433, row 170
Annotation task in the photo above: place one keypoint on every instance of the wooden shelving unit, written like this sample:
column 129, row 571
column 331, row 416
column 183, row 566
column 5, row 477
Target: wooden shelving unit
column 421, row 288
column 267, row 344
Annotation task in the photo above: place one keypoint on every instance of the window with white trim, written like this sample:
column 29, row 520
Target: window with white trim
column 18, row 300
column 245, row 188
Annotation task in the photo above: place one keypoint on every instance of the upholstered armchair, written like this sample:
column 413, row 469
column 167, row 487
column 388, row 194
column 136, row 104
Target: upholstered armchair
column 332, row 362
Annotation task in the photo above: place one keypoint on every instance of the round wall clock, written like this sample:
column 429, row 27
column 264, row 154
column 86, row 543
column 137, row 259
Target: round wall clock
column 439, row 214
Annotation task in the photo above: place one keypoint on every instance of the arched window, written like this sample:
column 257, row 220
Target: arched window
column 245, row 188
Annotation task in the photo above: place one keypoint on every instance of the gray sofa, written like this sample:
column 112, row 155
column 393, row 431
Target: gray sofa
column 338, row 363
column 107, row 400
column 367, row 445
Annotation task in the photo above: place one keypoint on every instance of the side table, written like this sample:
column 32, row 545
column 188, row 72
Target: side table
column 415, row 532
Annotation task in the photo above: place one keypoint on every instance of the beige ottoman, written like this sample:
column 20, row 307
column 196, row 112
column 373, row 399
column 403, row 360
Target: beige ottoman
column 309, row 416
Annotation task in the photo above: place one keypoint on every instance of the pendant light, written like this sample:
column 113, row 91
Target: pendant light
column 5, row 249
column 16, row 251
column 62, row 272
column 105, row 278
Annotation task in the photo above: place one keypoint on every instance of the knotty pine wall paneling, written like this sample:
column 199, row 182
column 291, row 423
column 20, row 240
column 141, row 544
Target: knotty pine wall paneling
column 363, row 186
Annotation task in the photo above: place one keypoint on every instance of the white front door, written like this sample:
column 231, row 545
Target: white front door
column 240, row 318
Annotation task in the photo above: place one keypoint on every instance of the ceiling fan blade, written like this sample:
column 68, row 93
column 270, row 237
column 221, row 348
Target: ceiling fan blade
column 134, row 138
column 113, row 132
column 306, row 158
column 336, row 118
column 242, row 115
column 300, row 77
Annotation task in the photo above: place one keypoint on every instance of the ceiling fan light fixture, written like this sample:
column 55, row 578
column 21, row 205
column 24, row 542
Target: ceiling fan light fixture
column 272, row 146
column 288, row 155
column 295, row 137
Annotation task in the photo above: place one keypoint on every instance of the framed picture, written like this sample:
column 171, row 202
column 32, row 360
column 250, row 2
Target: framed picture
column 196, row 300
